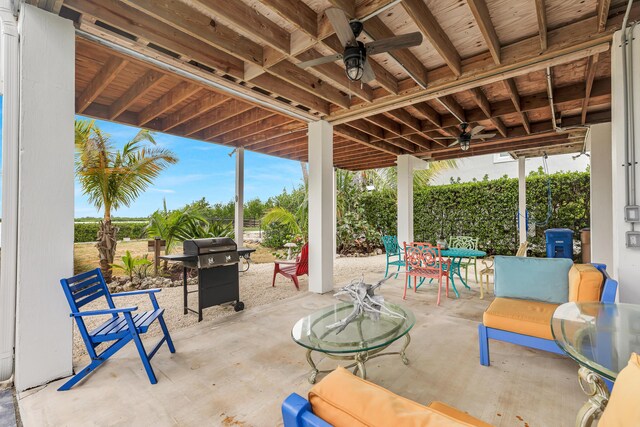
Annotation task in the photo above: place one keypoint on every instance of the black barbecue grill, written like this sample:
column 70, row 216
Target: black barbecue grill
column 216, row 260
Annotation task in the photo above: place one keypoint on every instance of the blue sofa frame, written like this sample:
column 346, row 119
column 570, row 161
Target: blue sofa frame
column 296, row 412
column 484, row 333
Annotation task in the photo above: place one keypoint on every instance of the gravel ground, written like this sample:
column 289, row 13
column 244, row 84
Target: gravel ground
column 255, row 290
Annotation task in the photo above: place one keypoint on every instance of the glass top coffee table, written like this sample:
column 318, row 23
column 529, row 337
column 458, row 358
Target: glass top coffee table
column 601, row 338
column 364, row 338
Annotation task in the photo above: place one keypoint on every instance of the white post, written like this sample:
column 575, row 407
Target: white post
column 239, row 208
column 522, row 200
column 10, row 119
column 405, row 198
column 321, row 201
column 46, row 186
column 626, row 260
column 601, row 199
column 335, row 212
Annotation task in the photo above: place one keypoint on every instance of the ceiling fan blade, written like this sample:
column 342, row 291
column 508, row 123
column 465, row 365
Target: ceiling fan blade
column 453, row 144
column 445, row 137
column 320, row 61
column 368, row 74
column 340, row 23
column 483, row 136
column 477, row 129
column 399, row 42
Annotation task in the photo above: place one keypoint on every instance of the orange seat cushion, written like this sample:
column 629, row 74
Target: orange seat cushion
column 623, row 409
column 344, row 400
column 457, row 414
column 585, row 283
column 525, row 317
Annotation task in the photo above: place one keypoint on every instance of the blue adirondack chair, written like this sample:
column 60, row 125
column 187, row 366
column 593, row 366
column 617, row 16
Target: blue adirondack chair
column 125, row 324
column 392, row 250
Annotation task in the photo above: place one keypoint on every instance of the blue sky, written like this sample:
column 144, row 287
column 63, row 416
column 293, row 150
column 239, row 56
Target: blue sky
column 203, row 170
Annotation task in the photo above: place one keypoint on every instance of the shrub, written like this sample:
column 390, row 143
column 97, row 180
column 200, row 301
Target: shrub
column 88, row 231
column 488, row 210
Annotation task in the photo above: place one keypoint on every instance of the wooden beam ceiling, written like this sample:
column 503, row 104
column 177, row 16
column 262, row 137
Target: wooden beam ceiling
column 483, row 19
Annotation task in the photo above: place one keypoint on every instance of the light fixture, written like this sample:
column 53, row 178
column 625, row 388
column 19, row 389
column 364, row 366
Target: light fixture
column 354, row 57
column 464, row 144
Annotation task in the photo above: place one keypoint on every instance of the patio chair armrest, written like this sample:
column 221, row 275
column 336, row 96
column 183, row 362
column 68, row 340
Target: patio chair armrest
column 138, row 292
column 105, row 311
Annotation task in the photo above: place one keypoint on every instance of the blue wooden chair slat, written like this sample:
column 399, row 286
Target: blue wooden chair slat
column 392, row 249
column 126, row 324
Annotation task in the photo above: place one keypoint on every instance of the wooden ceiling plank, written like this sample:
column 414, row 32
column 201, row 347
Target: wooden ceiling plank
column 589, row 79
column 144, row 84
column 296, row 12
column 349, row 6
column 432, row 115
column 377, row 30
column 512, row 89
column 133, row 21
column 499, row 125
column 362, row 138
column 176, row 95
column 368, row 8
column 603, row 14
column 483, row 19
column 424, row 19
column 219, row 114
column 255, row 131
column 482, row 101
column 204, row 104
column 285, row 89
column 247, row 118
column 541, row 13
column 453, row 107
column 247, row 20
column 106, row 75
column 184, row 18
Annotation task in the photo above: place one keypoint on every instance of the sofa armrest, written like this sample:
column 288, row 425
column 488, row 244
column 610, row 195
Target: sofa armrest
column 296, row 412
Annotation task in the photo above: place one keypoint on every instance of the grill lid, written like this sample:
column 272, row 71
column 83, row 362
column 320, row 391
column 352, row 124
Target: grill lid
column 208, row 246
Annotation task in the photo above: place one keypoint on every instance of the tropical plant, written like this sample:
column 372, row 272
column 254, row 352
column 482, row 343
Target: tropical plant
column 172, row 226
column 113, row 178
column 133, row 265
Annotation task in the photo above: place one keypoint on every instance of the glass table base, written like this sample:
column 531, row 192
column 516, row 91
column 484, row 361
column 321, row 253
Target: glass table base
column 594, row 387
column 358, row 359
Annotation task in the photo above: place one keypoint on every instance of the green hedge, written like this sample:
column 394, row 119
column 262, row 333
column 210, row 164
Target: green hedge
column 487, row 210
column 88, row 231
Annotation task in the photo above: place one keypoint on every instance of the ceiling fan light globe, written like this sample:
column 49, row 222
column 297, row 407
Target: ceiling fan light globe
column 464, row 145
column 355, row 69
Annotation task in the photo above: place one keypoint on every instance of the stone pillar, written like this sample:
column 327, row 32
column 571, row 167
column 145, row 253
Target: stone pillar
column 239, row 207
column 46, row 204
column 321, row 207
column 601, row 198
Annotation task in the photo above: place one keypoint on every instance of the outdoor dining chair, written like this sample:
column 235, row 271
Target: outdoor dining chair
column 293, row 269
column 488, row 269
column 393, row 250
column 466, row 242
column 424, row 261
column 124, row 324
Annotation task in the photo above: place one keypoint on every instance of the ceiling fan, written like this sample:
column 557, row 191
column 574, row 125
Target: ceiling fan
column 464, row 139
column 356, row 52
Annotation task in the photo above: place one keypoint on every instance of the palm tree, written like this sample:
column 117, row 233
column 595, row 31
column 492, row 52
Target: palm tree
column 387, row 178
column 173, row 226
column 113, row 178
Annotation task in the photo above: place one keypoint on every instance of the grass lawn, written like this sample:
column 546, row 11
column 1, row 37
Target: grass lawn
column 86, row 255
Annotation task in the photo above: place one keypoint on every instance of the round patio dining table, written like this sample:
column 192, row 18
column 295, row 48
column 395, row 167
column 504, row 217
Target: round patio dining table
column 456, row 255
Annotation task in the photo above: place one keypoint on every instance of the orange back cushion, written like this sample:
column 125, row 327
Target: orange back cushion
column 585, row 283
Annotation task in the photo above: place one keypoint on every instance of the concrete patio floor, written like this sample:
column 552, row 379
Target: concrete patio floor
column 237, row 371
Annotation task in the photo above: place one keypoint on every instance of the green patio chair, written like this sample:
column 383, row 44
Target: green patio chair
column 466, row 242
column 392, row 250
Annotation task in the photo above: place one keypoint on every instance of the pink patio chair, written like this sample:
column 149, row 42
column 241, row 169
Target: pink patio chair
column 424, row 261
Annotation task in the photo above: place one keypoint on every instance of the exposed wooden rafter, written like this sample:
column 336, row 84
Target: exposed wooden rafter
column 541, row 14
column 106, row 75
column 481, row 14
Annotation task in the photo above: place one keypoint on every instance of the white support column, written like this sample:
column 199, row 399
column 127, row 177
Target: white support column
column 321, row 207
column 239, row 208
column 522, row 200
column 626, row 260
column 10, row 137
column 405, row 198
column 335, row 212
column 601, row 198
column 45, row 197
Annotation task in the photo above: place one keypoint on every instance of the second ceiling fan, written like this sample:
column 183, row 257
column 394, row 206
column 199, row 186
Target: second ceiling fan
column 356, row 52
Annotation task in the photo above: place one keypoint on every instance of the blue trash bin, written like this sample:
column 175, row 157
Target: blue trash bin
column 559, row 243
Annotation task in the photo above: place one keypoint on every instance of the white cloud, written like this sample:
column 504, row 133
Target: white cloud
column 162, row 190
